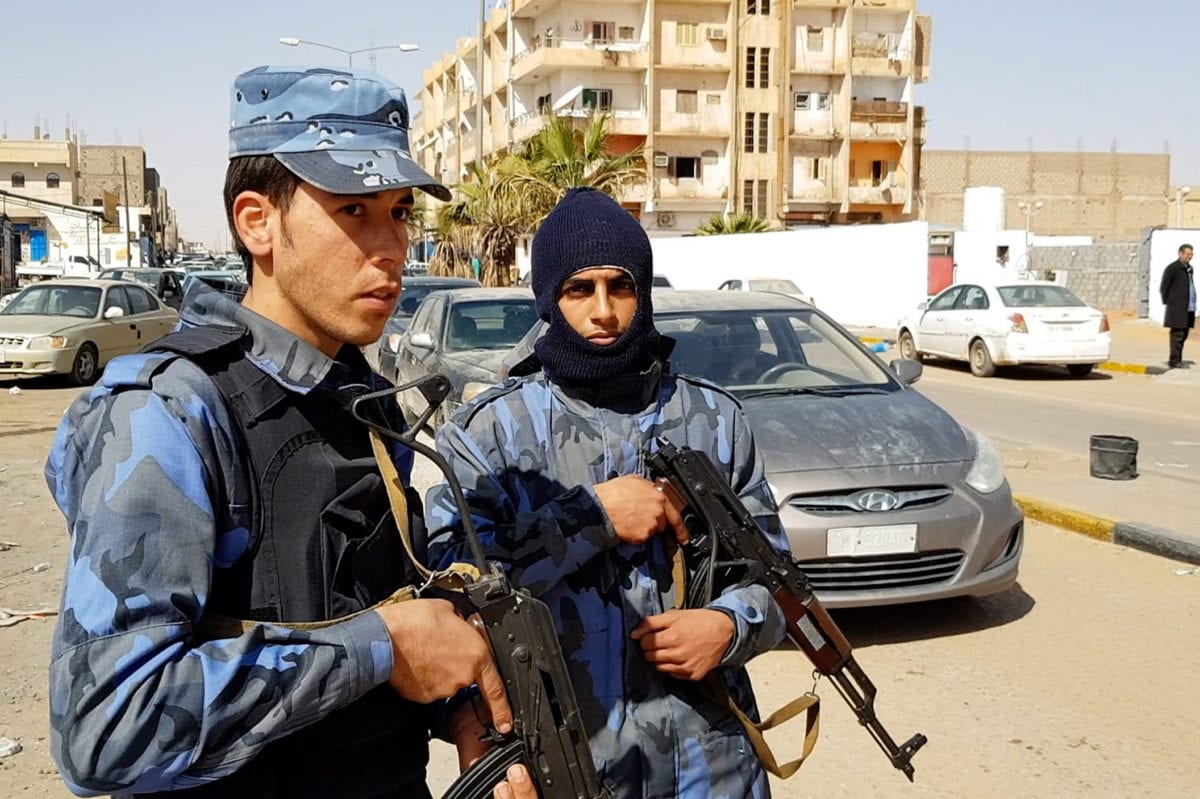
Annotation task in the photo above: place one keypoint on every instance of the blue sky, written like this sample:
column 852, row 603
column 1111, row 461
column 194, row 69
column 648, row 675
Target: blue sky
column 156, row 72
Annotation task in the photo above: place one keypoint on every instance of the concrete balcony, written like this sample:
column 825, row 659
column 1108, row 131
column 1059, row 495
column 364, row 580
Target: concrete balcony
column 884, row 5
column 819, row 126
column 879, row 130
column 879, row 109
column 811, row 194
column 820, row 64
column 552, row 54
column 881, row 55
column 883, row 194
column 688, row 189
column 820, row 4
column 699, row 125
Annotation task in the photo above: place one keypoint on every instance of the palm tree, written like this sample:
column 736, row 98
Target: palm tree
column 510, row 198
column 719, row 224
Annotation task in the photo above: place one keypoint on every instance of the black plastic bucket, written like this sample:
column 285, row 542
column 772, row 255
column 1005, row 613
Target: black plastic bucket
column 1114, row 457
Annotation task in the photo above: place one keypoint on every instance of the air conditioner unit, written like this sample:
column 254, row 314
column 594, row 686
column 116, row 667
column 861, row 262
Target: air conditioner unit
column 716, row 34
column 661, row 161
column 666, row 219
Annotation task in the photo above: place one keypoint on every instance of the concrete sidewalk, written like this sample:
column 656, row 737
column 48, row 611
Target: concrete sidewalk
column 1154, row 512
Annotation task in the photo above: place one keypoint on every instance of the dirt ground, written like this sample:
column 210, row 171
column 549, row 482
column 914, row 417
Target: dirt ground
column 32, row 557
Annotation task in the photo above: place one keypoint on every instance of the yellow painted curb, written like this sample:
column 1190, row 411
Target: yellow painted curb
column 1068, row 518
column 1133, row 368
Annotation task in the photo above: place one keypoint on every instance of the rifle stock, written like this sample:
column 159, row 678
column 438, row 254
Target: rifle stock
column 726, row 540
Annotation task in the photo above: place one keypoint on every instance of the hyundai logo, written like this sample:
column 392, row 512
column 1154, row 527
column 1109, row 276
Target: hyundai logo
column 877, row 501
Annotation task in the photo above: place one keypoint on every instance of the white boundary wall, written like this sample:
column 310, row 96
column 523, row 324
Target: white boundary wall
column 861, row 275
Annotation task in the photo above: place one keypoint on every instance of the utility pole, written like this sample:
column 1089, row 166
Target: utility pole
column 479, row 86
column 128, row 244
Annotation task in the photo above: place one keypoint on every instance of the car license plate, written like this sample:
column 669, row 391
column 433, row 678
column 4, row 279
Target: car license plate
column 883, row 539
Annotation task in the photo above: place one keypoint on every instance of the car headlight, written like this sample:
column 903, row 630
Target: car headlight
column 48, row 343
column 987, row 470
column 472, row 390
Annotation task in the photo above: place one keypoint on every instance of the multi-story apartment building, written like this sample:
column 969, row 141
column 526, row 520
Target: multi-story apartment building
column 797, row 111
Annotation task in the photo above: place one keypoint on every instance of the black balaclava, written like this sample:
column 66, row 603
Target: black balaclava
column 589, row 229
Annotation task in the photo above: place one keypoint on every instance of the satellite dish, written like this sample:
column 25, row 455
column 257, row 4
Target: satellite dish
column 568, row 98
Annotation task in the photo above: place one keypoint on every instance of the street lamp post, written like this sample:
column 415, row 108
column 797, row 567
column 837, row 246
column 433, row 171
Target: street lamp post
column 292, row 41
column 1030, row 210
column 1180, row 193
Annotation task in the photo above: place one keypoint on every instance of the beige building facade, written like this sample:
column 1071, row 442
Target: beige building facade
column 795, row 111
column 1110, row 196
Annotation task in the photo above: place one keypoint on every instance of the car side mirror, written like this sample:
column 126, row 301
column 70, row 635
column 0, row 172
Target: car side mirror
column 114, row 312
column 422, row 340
column 907, row 370
column 922, row 306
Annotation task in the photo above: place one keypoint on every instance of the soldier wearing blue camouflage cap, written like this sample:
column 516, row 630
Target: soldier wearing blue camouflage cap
column 553, row 464
column 221, row 475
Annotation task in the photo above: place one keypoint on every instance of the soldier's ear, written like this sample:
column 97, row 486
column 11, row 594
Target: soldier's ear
column 254, row 217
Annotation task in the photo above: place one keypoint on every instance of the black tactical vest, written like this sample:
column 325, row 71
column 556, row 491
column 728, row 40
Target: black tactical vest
column 323, row 544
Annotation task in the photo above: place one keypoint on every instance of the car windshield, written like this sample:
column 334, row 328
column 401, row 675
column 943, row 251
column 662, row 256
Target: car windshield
column 80, row 301
column 780, row 286
column 1039, row 297
column 786, row 352
column 145, row 278
column 489, row 324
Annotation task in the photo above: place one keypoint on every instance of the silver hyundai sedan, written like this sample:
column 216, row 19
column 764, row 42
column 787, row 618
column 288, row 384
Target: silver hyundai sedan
column 885, row 497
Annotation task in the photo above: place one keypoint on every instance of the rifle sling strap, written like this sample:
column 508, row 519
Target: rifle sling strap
column 719, row 693
column 215, row 626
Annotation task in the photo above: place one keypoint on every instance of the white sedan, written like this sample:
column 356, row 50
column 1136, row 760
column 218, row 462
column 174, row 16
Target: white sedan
column 1015, row 323
column 779, row 285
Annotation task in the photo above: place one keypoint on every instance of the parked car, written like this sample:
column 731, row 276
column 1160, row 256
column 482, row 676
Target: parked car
column 463, row 334
column 75, row 327
column 660, row 282
column 778, row 285
column 412, row 291
column 1014, row 323
column 230, row 281
column 885, row 497
column 165, row 283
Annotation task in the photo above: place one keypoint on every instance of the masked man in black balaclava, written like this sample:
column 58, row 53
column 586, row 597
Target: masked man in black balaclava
column 552, row 463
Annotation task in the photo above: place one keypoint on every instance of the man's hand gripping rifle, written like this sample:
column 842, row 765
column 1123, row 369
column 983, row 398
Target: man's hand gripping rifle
column 727, row 547
column 548, row 736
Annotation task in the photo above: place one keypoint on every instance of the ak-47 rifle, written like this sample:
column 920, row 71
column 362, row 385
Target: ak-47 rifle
column 727, row 547
column 548, row 735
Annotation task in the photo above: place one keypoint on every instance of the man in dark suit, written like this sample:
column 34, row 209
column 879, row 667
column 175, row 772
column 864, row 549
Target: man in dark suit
column 1178, row 291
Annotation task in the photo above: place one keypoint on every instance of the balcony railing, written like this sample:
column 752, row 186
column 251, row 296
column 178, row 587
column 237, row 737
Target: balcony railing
column 885, row 193
column 880, row 45
column 567, row 43
column 878, row 108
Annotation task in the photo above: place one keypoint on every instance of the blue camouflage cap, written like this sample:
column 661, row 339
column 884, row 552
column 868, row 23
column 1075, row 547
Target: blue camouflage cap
column 342, row 130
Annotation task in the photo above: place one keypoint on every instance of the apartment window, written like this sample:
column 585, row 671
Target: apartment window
column 756, row 133
column 754, row 197
column 602, row 32
column 758, row 7
column 685, row 101
column 625, row 33
column 811, row 101
column 684, row 167
column 543, row 104
column 597, row 99
column 52, row 180
column 687, row 34
column 713, row 98
column 17, row 180
column 816, row 39
column 758, row 67
column 881, row 171
column 816, row 169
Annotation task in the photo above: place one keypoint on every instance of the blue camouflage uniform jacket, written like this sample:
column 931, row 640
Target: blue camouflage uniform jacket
column 528, row 454
column 146, row 468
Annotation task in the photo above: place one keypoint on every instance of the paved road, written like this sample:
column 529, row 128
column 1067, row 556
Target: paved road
column 1042, row 422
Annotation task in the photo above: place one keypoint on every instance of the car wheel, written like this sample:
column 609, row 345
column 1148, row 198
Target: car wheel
column 908, row 347
column 84, row 370
column 1080, row 369
column 981, row 360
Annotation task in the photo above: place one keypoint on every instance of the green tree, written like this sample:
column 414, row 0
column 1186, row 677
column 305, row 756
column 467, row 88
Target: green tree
column 499, row 205
column 719, row 224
